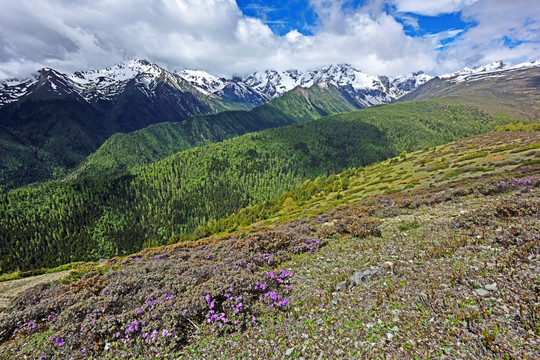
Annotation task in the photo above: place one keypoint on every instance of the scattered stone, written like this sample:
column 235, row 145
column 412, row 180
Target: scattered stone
column 289, row 351
column 341, row 286
column 395, row 329
column 364, row 275
column 481, row 292
column 491, row 287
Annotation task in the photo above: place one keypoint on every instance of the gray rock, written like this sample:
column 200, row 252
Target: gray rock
column 481, row 292
column 342, row 286
column 289, row 351
column 364, row 275
column 491, row 287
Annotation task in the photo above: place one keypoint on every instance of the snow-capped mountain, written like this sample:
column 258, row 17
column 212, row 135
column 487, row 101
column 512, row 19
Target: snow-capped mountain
column 251, row 90
column 95, row 85
column 367, row 89
column 248, row 91
column 235, row 89
column 105, row 84
column 493, row 69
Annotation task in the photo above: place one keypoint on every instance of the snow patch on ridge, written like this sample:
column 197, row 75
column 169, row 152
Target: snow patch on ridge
column 368, row 89
column 490, row 70
column 255, row 88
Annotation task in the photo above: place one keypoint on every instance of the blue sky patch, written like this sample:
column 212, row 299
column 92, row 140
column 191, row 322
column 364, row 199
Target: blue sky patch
column 282, row 16
column 437, row 24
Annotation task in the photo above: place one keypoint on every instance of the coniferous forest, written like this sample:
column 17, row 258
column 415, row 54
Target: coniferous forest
column 115, row 213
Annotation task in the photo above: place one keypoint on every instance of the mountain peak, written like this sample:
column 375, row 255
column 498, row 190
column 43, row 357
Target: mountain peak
column 120, row 72
column 368, row 89
column 494, row 67
column 254, row 89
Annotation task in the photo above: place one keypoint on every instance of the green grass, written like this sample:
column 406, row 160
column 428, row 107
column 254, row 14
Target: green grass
column 24, row 274
column 318, row 195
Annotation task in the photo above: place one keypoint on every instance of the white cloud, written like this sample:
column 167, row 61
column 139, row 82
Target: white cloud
column 500, row 22
column 431, row 7
column 215, row 36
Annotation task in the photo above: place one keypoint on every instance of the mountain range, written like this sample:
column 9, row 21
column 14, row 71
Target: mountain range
column 254, row 89
column 303, row 104
column 368, row 90
column 51, row 122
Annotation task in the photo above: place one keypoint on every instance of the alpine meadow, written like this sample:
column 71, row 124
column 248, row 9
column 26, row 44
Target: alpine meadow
column 250, row 193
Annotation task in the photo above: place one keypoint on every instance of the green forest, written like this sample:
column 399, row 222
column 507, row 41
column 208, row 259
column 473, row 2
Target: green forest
column 156, row 142
column 115, row 213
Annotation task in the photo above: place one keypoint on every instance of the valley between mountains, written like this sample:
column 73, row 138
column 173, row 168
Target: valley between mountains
column 327, row 214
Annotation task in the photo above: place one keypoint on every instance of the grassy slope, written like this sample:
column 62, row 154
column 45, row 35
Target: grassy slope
column 116, row 214
column 434, row 237
column 158, row 141
column 442, row 165
column 514, row 94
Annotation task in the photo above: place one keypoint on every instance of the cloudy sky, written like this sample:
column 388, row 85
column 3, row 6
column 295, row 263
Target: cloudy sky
column 226, row 37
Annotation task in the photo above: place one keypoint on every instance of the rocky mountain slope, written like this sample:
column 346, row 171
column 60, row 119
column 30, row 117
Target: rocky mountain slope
column 496, row 87
column 366, row 89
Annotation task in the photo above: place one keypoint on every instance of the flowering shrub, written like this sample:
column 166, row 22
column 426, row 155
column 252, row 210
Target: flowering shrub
column 516, row 183
column 151, row 304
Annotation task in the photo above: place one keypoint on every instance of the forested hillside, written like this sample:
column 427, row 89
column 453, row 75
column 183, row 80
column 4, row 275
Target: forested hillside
column 44, row 138
column 110, row 214
column 158, row 141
